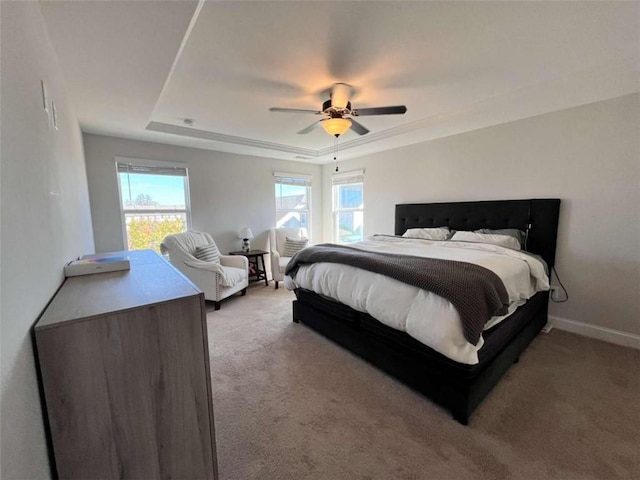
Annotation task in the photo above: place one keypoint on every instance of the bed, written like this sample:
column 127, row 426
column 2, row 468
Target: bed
column 459, row 386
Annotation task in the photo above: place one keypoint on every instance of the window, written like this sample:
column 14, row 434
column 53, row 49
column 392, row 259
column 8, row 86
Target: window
column 348, row 207
column 293, row 198
column 154, row 200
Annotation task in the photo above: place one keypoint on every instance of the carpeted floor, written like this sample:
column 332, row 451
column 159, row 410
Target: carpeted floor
column 290, row 404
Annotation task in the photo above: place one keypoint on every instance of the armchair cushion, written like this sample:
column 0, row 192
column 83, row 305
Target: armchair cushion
column 207, row 253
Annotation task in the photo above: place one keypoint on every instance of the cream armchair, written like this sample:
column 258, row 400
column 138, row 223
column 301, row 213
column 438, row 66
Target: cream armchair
column 217, row 281
column 277, row 237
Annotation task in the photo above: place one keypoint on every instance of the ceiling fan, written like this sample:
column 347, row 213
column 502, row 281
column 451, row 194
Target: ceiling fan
column 338, row 112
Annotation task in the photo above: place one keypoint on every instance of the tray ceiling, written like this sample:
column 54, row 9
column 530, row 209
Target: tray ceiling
column 138, row 69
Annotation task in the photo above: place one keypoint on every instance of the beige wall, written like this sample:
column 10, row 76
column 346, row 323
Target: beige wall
column 588, row 156
column 227, row 191
column 45, row 222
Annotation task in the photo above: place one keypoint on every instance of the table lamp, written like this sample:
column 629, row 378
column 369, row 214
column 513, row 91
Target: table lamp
column 245, row 234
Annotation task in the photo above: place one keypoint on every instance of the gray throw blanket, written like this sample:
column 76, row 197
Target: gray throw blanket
column 476, row 292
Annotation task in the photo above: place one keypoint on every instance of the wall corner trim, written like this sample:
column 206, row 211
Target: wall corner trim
column 594, row 331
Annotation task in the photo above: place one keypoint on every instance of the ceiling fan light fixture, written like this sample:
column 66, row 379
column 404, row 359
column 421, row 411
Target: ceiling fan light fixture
column 336, row 126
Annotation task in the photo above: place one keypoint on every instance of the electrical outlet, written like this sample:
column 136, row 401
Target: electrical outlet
column 554, row 289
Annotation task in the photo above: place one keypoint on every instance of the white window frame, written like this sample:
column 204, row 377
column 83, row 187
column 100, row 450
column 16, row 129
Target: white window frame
column 296, row 179
column 355, row 177
column 139, row 165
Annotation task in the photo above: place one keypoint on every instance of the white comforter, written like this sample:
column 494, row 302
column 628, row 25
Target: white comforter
column 425, row 316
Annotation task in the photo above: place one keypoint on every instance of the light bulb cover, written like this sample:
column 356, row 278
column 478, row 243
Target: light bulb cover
column 336, row 126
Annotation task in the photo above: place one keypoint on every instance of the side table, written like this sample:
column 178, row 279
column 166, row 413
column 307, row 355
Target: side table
column 255, row 257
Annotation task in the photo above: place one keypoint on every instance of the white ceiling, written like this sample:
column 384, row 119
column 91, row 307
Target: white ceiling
column 136, row 69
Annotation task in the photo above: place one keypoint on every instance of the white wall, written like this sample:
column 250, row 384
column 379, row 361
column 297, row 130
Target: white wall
column 227, row 191
column 588, row 156
column 45, row 222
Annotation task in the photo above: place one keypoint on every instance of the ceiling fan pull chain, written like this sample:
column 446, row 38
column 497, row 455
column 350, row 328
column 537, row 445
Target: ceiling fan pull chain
column 335, row 151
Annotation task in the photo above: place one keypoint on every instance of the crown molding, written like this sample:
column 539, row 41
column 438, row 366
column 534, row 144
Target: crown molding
column 306, row 153
column 219, row 137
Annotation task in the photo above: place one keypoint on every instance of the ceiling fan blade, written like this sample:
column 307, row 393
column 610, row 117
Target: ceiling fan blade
column 293, row 110
column 311, row 127
column 358, row 127
column 394, row 110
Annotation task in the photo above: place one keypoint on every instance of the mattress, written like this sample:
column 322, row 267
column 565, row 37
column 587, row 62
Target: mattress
column 426, row 317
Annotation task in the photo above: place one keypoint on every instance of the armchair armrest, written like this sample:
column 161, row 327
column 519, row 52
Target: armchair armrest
column 217, row 271
column 237, row 261
column 200, row 265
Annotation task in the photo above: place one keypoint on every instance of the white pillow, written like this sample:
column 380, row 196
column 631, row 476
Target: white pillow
column 207, row 253
column 294, row 245
column 440, row 233
column 491, row 238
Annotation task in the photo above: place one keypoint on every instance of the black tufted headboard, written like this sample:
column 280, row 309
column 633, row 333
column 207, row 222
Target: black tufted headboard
column 541, row 214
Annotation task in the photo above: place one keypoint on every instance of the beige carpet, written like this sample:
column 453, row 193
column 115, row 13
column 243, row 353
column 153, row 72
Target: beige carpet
column 290, row 404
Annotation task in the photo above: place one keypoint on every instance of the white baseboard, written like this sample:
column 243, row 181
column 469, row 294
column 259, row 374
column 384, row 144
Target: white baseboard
column 593, row 331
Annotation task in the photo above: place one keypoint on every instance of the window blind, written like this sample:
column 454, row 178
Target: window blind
column 174, row 171
column 356, row 176
column 292, row 179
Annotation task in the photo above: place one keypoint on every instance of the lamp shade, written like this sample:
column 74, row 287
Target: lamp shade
column 336, row 126
column 245, row 232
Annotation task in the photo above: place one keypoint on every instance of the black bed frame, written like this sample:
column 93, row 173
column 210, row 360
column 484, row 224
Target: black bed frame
column 460, row 388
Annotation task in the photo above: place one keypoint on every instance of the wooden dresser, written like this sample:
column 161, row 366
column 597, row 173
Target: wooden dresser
column 124, row 363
